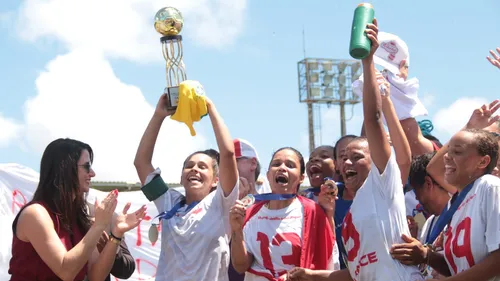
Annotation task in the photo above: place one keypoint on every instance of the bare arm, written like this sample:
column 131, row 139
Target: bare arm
column 101, row 263
column 124, row 265
column 144, row 154
column 482, row 271
column 65, row 264
column 398, row 137
column 436, row 169
column 438, row 263
column 372, row 107
column 241, row 259
column 481, row 118
column 229, row 175
column 418, row 143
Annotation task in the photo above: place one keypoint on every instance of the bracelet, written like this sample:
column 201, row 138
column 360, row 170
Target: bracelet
column 114, row 240
column 113, row 236
column 430, row 249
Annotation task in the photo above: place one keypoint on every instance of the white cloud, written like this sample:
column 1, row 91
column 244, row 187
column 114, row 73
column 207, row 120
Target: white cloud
column 124, row 28
column 9, row 131
column 428, row 100
column 450, row 120
column 79, row 96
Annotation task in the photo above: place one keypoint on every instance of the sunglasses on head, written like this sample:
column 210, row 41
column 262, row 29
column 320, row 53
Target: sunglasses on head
column 86, row 166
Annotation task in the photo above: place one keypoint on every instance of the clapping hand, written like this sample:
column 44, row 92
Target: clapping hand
column 125, row 222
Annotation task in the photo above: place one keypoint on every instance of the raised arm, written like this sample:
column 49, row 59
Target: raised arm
column 240, row 257
column 481, row 118
column 398, row 137
column 228, row 167
column 102, row 263
column 418, row 143
column 380, row 149
column 144, row 154
column 65, row 264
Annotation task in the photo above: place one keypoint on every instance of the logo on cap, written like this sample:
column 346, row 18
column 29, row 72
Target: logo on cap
column 391, row 48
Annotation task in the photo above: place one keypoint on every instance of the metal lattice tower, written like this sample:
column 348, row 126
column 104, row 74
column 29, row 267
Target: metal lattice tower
column 327, row 81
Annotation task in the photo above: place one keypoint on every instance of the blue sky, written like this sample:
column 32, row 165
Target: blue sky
column 245, row 54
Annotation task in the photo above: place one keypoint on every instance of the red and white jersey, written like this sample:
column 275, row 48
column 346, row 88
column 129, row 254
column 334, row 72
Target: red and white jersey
column 274, row 237
column 375, row 222
column 474, row 230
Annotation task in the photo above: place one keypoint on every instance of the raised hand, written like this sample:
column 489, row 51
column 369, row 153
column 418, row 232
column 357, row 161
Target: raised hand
column 162, row 107
column 495, row 59
column 125, row 222
column 327, row 196
column 104, row 210
column 372, row 33
column 484, row 116
column 385, row 87
column 237, row 216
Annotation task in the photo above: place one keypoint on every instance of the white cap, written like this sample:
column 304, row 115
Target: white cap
column 243, row 148
column 391, row 51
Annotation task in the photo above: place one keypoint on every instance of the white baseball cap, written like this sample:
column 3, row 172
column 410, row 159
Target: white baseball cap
column 243, row 148
column 391, row 51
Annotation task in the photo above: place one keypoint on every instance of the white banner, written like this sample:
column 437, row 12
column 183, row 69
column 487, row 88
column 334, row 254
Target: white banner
column 17, row 185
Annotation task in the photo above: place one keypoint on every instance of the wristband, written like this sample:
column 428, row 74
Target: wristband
column 113, row 236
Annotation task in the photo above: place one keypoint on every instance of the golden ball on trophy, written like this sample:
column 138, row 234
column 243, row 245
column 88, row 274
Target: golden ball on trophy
column 168, row 21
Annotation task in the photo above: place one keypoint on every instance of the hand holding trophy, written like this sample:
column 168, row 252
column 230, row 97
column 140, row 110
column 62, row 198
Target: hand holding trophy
column 169, row 23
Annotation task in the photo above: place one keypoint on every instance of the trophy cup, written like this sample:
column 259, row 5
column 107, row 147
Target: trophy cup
column 169, row 22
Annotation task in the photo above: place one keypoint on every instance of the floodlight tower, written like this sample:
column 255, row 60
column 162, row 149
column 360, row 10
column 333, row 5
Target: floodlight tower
column 327, row 81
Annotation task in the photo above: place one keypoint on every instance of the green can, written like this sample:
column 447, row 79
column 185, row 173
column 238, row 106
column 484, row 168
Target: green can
column 360, row 45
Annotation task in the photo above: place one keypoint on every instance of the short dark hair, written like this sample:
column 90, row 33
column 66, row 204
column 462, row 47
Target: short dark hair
column 434, row 140
column 338, row 141
column 486, row 144
column 418, row 169
column 212, row 153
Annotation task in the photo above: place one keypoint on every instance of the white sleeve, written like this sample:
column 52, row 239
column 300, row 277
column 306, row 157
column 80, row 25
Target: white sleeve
column 491, row 212
column 334, row 263
column 230, row 200
column 426, row 228
column 410, row 203
column 389, row 182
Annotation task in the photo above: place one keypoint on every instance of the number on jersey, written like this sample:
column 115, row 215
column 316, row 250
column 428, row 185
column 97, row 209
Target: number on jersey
column 453, row 250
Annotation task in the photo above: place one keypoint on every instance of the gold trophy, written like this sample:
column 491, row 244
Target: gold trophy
column 169, row 22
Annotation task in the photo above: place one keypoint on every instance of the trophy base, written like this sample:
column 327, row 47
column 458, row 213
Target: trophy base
column 168, row 38
column 173, row 97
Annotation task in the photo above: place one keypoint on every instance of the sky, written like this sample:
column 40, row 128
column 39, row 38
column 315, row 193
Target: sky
column 93, row 70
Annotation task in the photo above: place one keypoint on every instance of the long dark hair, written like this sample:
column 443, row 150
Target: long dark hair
column 59, row 187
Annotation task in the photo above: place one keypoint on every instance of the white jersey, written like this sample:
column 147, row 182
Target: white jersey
column 195, row 245
column 474, row 230
column 274, row 238
column 375, row 222
column 429, row 225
